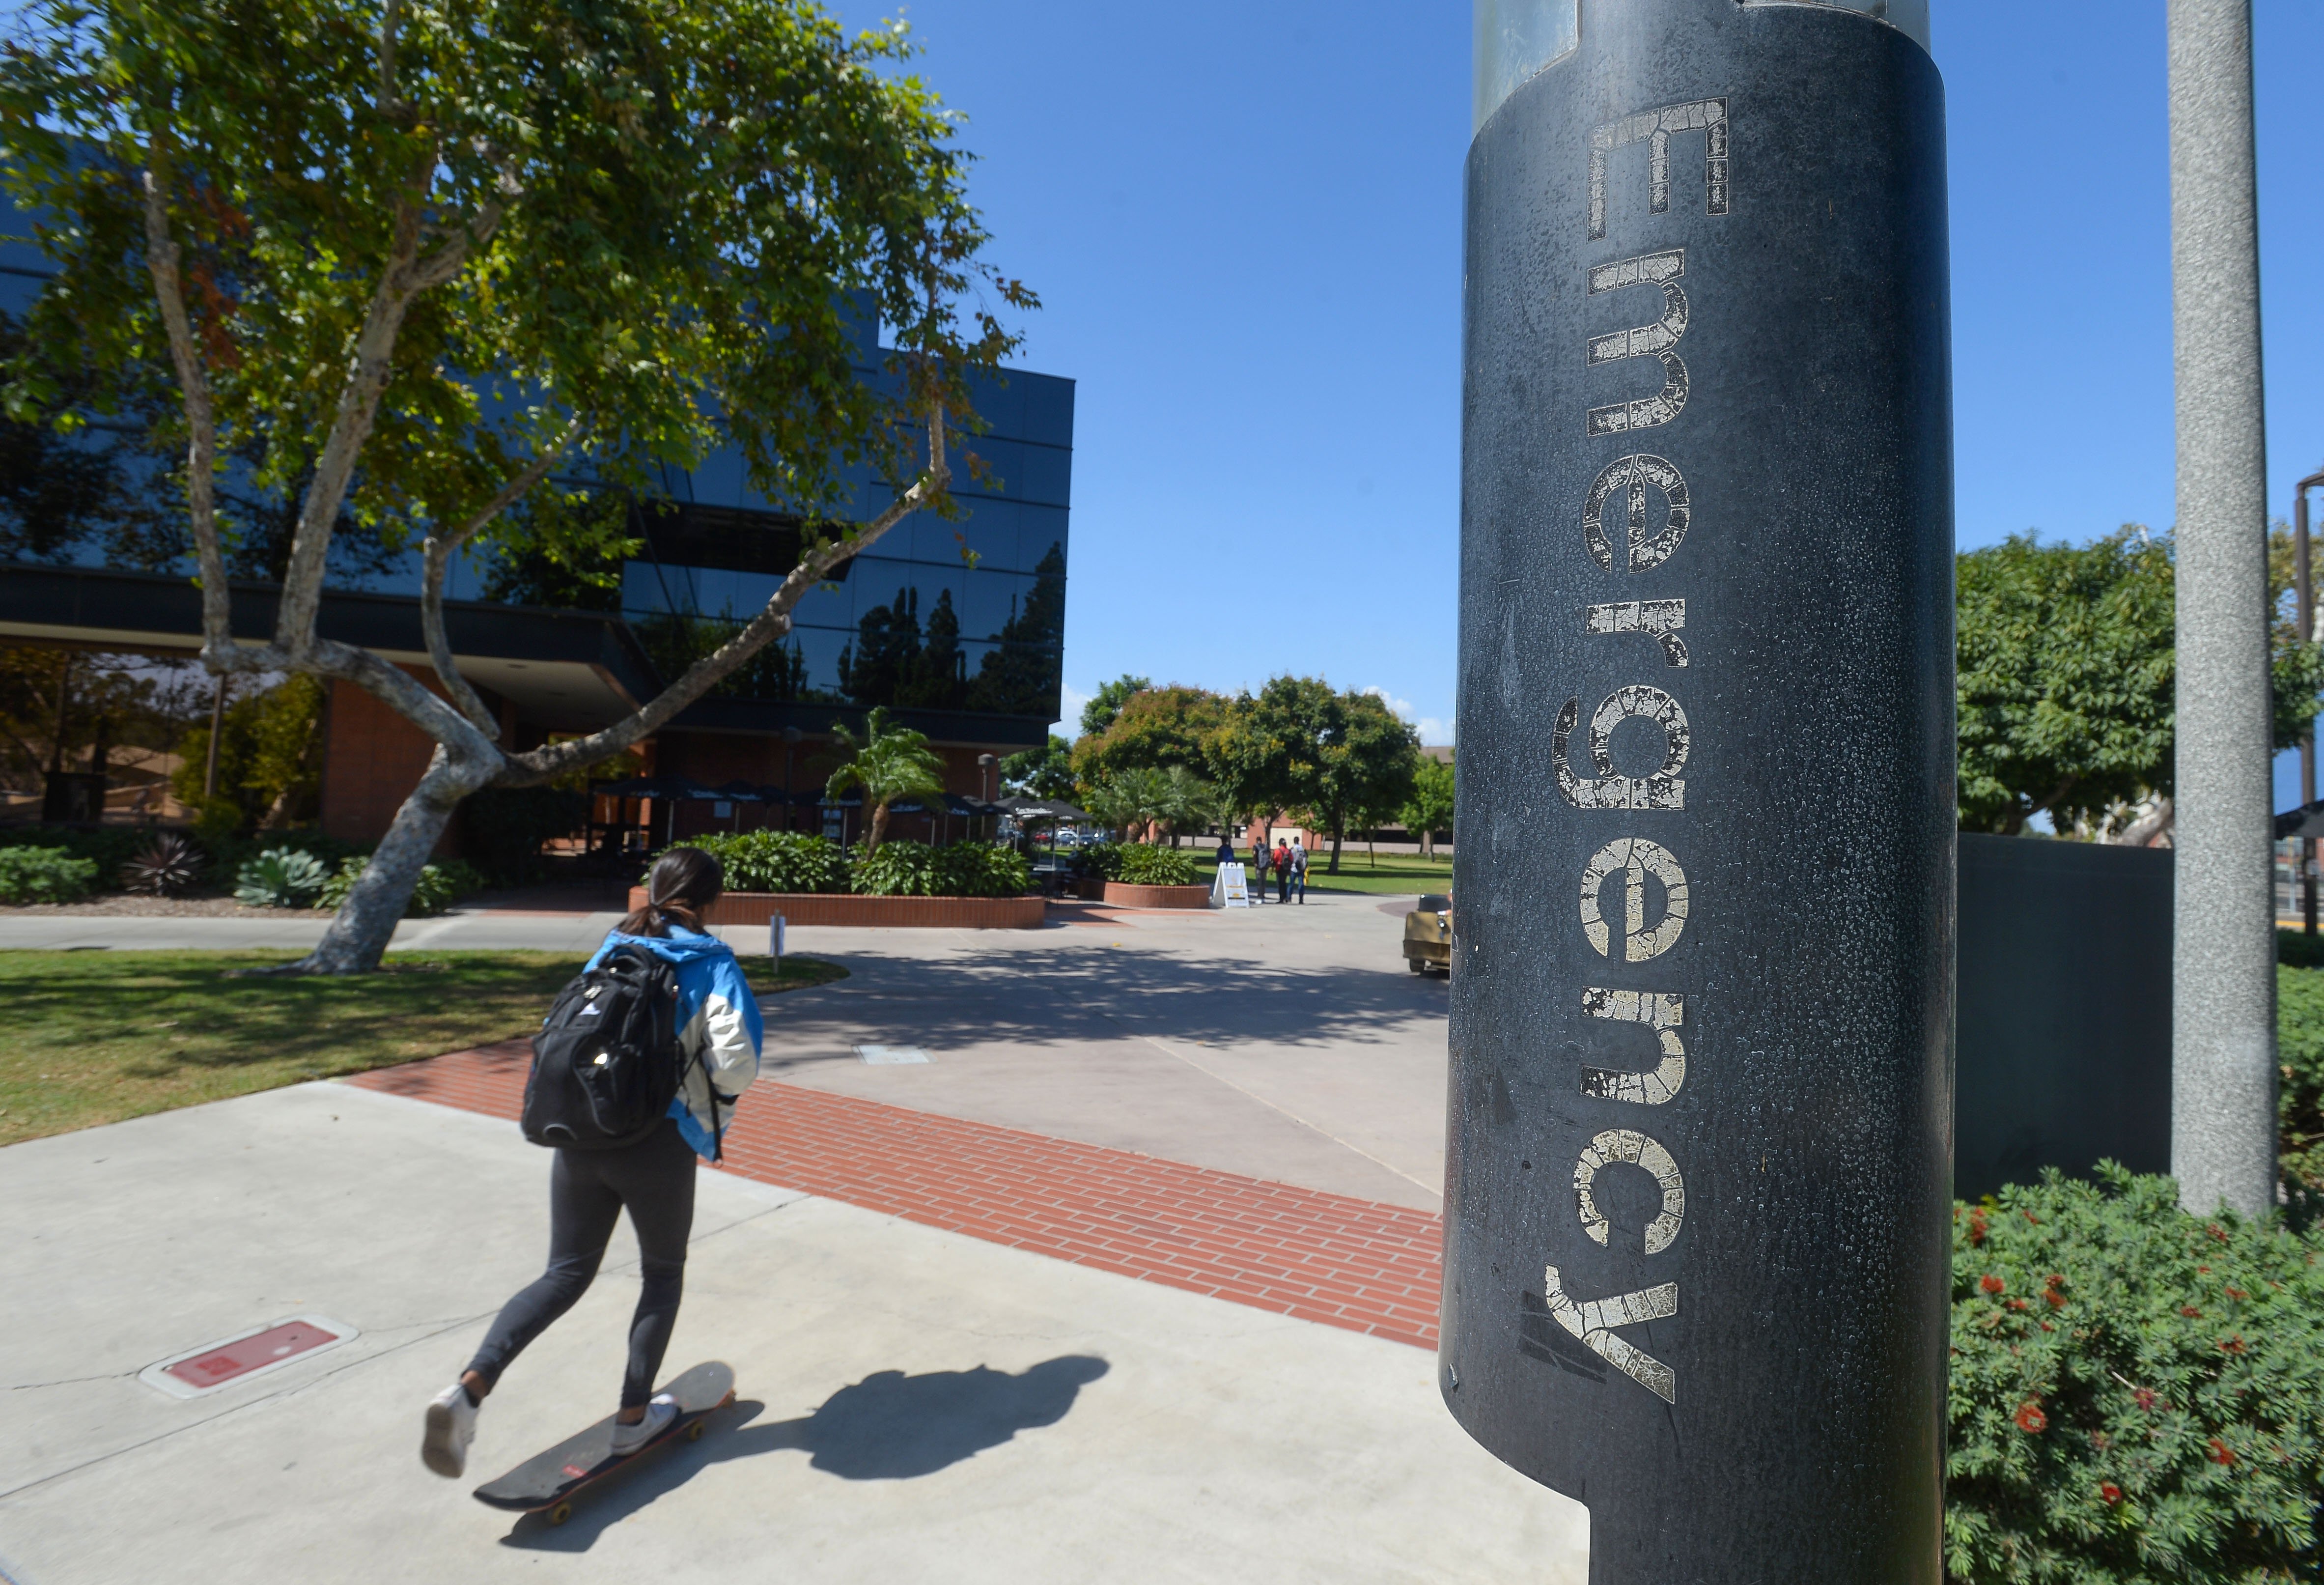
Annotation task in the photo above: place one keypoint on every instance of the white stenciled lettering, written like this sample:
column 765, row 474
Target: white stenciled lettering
column 1631, row 475
column 1593, row 1320
column 1636, row 1149
column 1661, row 1011
column 1665, row 788
column 1658, row 341
column 1654, row 128
column 1662, row 618
column 1634, row 858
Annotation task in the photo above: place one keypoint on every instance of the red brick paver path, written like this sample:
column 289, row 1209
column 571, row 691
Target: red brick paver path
column 1357, row 1264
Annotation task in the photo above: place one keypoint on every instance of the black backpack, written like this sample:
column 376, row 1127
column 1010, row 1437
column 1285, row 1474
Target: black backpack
column 607, row 1061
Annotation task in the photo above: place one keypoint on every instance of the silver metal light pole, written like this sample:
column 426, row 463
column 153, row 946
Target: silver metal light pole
column 2223, row 1129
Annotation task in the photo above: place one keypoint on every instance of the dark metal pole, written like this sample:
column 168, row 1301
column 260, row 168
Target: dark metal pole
column 1698, row 1181
column 2304, row 604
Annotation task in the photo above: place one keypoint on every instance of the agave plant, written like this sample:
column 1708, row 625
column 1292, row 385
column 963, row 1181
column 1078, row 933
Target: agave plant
column 165, row 866
column 281, row 878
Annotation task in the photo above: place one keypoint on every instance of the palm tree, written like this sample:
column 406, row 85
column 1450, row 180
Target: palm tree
column 888, row 764
column 1149, row 798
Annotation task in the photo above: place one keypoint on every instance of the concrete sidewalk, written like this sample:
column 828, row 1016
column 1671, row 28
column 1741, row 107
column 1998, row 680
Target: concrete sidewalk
column 916, row 1404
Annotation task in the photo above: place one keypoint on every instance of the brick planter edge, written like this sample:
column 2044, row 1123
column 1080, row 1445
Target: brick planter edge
column 831, row 907
column 1121, row 894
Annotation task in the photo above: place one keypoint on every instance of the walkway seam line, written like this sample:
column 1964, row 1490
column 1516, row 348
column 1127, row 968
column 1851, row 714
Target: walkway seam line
column 1263, row 1101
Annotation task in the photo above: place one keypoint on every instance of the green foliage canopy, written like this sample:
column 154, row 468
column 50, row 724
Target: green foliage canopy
column 1046, row 772
column 1103, row 705
column 1337, row 757
column 1154, row 728
column 2066, row 672
column 2064, row 677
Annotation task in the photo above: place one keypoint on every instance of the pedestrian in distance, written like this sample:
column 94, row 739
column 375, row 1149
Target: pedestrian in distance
column 1299, row 871
column 683, row 1018
column 1282, row 871
column 1226, row 850
column 1258, row 868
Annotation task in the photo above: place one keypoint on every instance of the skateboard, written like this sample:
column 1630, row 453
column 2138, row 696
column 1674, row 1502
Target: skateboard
column 547, row 1481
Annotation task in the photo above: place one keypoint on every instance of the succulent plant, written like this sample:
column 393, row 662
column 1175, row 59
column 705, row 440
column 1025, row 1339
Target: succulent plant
column 280, row 877
column 167, row 866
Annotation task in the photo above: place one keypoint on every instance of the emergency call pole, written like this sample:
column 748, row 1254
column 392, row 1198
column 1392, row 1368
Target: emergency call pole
column 1698, row 1177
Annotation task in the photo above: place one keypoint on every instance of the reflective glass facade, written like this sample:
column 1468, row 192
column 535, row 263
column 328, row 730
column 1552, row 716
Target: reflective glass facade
column 910, row 623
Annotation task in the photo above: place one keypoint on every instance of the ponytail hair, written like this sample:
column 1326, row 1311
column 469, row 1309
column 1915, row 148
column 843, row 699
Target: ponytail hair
column 679, row 890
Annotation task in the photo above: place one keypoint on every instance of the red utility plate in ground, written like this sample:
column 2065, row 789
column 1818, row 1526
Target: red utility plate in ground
column 237, row 1359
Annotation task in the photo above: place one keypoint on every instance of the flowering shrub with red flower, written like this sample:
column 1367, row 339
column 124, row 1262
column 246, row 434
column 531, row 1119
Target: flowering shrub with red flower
column 2156, row 1413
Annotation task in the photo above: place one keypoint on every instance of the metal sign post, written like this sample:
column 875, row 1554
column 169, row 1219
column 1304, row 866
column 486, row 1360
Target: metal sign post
column 1697, row 1195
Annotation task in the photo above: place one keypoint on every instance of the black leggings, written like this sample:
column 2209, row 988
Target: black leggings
column 586, row 1192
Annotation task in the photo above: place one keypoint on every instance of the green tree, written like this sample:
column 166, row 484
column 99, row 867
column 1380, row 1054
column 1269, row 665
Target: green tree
column 886, row 764
column 1046, row 772
column 2066, row 668
column 1429, row 809
column 1300, row 745
column 401, row 265
column 2065, row 673
column 269, row 760
column 1154, row 728
column 1106, row 703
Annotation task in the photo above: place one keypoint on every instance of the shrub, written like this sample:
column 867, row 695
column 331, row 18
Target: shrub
column 777, row 861
column 44, row 875
column 439, row 886
column 503, row 828
column 108, row 847
column 168, row 866
column 2136, row 1395
column 2300, row 949
column 280, row 877
column 902, row 867
column 229, row 854
column 899, row 869
column 1102, row 860
column 2300, row 1094
column 1141, row 864
column 980, row 869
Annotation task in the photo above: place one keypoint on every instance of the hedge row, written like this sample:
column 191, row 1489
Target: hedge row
column 798, row 862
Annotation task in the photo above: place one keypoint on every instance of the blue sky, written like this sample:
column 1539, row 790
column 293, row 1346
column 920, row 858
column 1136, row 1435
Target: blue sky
column 1245, row 223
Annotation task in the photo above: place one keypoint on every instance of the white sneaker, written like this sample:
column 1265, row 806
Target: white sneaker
column 451, row 1427
column 660, row 1413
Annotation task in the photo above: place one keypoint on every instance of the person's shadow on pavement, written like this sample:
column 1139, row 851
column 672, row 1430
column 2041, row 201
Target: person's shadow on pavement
column 887, row 1426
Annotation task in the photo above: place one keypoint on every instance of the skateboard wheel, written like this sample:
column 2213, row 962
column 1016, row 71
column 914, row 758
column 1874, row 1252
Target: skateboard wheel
column 694, row 1432
column 560, row 1513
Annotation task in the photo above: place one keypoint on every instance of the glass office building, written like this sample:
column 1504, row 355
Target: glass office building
column 955, row 624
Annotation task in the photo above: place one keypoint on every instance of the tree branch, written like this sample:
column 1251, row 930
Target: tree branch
column 404, row 694
column 435, row 556
column 373, row 363
column 219, row 651
column 538, row 765
column 391, row 98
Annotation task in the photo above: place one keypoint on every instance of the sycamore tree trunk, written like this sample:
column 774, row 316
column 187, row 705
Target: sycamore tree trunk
column 360, row 931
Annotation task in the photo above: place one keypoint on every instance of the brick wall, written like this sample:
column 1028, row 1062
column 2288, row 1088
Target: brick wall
column 371, row 759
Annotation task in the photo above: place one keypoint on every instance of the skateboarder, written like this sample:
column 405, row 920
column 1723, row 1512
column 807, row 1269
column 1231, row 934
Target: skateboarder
column 717, row 1021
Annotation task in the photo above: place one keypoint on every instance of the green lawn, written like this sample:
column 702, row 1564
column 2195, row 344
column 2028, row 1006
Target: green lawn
column 96, row 1037
column 1400, row 874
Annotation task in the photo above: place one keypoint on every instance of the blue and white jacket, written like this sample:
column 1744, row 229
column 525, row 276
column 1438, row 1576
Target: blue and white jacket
column 717, row 1021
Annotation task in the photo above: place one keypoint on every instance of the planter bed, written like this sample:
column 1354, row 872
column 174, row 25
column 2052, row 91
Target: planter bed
column 839, row 908
column 1121, row 894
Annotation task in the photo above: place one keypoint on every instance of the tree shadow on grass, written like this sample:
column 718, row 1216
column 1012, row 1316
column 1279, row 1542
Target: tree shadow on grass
column 887, row 1426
